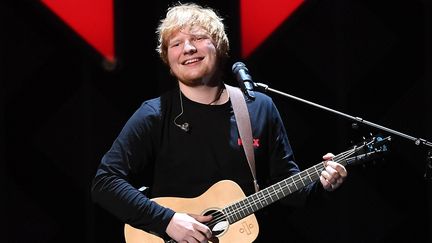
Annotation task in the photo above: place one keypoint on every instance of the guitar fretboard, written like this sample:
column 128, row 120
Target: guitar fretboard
column 263, row 198
column 273, row 193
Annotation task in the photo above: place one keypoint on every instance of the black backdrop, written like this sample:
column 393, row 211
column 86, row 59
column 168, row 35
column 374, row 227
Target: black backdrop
column 62, row 108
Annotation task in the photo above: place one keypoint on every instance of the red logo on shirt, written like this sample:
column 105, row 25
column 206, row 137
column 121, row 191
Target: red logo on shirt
column 255, row 142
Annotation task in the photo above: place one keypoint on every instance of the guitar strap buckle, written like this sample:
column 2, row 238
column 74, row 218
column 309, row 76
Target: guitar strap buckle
column 256, row 185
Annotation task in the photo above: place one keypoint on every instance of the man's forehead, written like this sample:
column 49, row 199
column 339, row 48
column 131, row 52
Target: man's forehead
column 193, row 30
column 189, row 31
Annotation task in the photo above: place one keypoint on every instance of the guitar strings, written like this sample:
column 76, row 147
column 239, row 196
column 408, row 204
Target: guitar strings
column 337, row 158
column 222, row 217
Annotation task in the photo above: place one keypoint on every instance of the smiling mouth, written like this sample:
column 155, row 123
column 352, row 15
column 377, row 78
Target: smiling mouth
column 193, row 60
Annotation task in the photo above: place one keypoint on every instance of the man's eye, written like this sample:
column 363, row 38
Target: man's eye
column 198, row 38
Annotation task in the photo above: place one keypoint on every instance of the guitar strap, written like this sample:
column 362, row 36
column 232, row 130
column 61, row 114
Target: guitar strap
column 244, row 126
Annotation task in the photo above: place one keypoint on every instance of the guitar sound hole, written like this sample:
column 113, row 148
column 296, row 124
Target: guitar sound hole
column 219, row 223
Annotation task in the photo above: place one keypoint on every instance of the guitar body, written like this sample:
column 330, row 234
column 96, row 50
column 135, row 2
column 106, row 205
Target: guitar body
column 217, row 197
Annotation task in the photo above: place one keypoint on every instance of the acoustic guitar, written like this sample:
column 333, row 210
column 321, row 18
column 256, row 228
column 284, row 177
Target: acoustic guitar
column 233, row 218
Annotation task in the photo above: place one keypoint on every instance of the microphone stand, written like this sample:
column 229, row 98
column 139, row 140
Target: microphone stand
column 417, row 141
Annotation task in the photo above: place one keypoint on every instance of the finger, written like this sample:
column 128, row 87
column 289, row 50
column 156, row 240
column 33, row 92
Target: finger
column 204, row 231
column 326, row 185
column 338, row 167
column 191, row 239
column 341, row 170
column 325, row 175
column 207, row 233
column 328, row 156
column 202, row 218
column 337, row 183
column 201, row 227
column 336, row 170
column 200, row 236
column 335, row 186
column 330, row 174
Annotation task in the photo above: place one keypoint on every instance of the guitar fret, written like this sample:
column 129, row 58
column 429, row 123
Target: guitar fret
column 302, row 178
column 292, row 185
column 233, row 216
column 273, row 194
column 278, row 193
column 247, row 207
column 287, row 186
column 236, row 210
column 317, row 172
column 239, row 212
column 255, row 202
column 260, row 193
column 281, row 189
column 318, row 169
column 310, row 178
column 226, row 212
column 295, row 181
column 267, row 196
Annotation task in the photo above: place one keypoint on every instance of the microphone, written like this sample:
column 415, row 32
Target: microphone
column 244, row 79
column 185, row 126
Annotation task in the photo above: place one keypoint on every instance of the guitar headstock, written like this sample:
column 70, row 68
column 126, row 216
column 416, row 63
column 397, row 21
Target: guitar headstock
column 369, row 150
column 377, row 143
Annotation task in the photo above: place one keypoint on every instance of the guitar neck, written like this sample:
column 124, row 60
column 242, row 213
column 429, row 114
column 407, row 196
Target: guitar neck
column 273, row 193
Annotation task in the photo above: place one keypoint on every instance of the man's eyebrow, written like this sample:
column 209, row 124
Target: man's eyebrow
column 173, row 40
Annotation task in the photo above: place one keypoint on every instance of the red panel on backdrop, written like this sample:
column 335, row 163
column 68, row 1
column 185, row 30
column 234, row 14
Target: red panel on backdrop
column 259, row 18
column 92, row 20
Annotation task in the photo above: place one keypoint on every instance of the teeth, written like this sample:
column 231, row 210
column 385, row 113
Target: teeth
column 191, row 61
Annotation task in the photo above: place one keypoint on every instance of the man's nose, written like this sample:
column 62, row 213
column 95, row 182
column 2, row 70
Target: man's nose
column 189, row 47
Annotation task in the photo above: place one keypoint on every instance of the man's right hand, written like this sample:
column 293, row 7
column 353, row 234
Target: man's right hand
column 188, row 228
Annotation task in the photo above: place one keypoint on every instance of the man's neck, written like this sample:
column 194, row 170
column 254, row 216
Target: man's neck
column 205, row 94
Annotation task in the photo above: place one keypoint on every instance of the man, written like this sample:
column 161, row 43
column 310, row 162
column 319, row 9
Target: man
column 186, row 140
